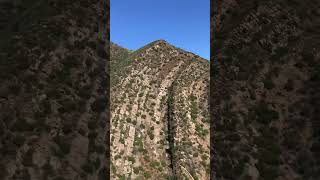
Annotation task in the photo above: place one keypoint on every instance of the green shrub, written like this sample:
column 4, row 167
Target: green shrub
column 60, row 76
column 289, row 86
column 150, row 133
column 68, row 105
column 155, row 164
column 15, row 89
column 267, row 172
column 85, row 92
column 104, row 173
column 268, row 83
column 134, row 122
column 92, row 124
column 142, row 126
column 204, row 157
column 46, row 107
column 48, row 170
column 89, row 168
column 136, row 170
column 138, row 142
column 54, row 93
column 22, row 125
column 147, row 158
column 315, row 148
column 100, row 149
column 308, row 57
column 147, row 175
column 194, row 108
column 64, row 144
column 264, row 114
column 59, row 178
column 19, row 139
column 279, row 52
column 118, row 156
column 99, row 105
column 101, row 51
column 71, row 62
column 27, row 158
column 201, row 131
column 132, row 159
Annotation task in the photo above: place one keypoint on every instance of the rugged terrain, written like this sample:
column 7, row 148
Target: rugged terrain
column 54, row 90
column 159, row 113
column 265, row 86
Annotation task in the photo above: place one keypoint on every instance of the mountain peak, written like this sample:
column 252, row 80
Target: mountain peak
column 160, row 42
column 159, row 45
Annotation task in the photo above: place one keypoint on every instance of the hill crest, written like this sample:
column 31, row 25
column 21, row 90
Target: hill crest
column 160, row 45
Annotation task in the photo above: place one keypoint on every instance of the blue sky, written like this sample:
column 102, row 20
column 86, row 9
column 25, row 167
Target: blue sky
column 183, row 23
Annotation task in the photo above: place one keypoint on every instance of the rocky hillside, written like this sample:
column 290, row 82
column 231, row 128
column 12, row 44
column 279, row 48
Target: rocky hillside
column 53, row 90
column 159, row 113
column 265, row 86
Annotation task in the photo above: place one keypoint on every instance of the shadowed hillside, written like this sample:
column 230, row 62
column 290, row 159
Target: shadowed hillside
column 265, row 90
column 53, row 90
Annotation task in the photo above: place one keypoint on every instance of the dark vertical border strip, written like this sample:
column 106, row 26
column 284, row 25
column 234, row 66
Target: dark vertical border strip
column 105, row 36
column 213, row 5
column 108, row 154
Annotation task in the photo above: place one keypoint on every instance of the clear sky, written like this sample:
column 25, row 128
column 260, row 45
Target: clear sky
column 183, row 23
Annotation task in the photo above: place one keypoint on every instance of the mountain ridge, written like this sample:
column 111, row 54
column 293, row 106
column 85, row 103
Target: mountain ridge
column 160, row 42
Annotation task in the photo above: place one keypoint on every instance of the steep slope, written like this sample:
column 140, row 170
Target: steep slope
column 159, row 111
column 119, row 62
column 265, row 89
column 53, row 90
